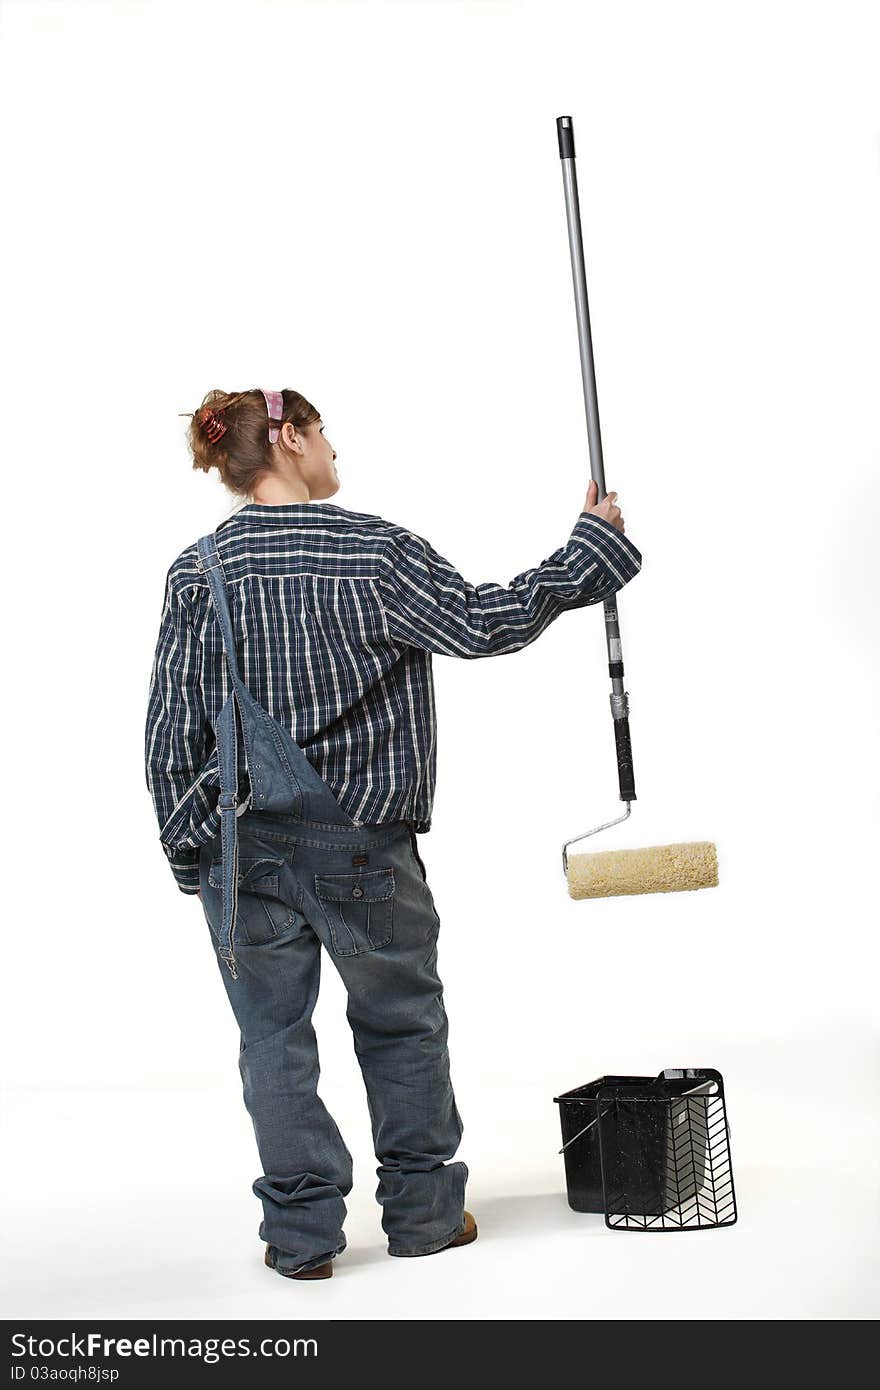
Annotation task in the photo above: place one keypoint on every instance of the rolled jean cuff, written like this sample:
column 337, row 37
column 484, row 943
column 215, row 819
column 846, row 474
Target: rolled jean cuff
column 292, row 1267
column 429, row 1249
column 419, row 1201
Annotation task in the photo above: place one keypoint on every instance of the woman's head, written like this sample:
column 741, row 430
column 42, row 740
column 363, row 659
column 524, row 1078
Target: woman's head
column 230, row 432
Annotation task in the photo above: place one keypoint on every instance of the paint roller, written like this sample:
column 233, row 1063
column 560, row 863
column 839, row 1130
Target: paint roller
column 672, row 868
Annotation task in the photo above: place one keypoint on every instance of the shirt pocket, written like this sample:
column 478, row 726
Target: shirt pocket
column 358, row 909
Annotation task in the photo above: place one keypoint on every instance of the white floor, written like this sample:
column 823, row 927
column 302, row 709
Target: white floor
column 138, row 1205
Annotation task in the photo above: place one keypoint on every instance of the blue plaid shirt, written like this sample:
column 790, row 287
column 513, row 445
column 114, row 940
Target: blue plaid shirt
column 336, row 616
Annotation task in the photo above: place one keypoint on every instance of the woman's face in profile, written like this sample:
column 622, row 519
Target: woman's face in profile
column 317, row 462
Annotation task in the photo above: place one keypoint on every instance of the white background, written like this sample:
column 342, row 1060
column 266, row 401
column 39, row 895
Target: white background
column 364, row 202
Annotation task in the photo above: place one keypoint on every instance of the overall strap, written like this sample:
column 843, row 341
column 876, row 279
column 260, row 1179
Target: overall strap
column 211, row 566
column 226, row 728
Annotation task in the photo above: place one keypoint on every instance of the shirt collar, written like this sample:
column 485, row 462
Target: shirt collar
column 294, row 513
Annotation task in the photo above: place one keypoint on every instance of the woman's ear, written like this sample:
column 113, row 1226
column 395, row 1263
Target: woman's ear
column 288, row 434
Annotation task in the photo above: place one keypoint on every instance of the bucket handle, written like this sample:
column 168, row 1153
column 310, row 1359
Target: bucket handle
column 605, row 1112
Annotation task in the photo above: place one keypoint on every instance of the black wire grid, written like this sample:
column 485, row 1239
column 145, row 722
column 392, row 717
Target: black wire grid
column 652, row 1153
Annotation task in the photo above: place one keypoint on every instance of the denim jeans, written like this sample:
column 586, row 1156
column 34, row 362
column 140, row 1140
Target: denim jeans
column 361, row 894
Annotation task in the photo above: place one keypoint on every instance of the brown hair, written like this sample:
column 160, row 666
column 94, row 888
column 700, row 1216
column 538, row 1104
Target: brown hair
column 242, row 453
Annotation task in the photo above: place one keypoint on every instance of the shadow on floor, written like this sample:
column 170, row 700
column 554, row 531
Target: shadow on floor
column 531, row 1214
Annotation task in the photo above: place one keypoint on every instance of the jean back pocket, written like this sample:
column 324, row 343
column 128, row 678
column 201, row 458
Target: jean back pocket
column 263, row 911
column 359, row 909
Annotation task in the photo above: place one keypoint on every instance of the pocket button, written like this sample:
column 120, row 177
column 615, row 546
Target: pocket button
column 357, row 892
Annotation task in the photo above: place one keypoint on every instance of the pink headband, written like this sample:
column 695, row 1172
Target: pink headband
column 275, row 406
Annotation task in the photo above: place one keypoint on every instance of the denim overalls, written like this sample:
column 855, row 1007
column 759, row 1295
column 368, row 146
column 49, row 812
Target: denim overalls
column 311, row 878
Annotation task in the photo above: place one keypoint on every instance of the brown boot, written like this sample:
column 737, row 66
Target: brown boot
column 464, row 1237
column 323, row 1271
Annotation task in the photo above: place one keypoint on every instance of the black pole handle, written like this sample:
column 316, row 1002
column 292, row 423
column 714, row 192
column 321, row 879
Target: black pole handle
column 625, row 771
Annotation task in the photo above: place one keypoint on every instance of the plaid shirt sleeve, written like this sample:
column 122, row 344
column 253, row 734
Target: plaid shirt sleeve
column 429, row 605
column 175, row 726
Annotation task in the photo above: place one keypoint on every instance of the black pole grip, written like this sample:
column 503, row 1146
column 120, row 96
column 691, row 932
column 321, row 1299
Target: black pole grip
column 625, row 773
column 565, row 135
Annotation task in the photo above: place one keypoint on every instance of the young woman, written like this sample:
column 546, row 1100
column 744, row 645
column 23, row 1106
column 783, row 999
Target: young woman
column 290, row 755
